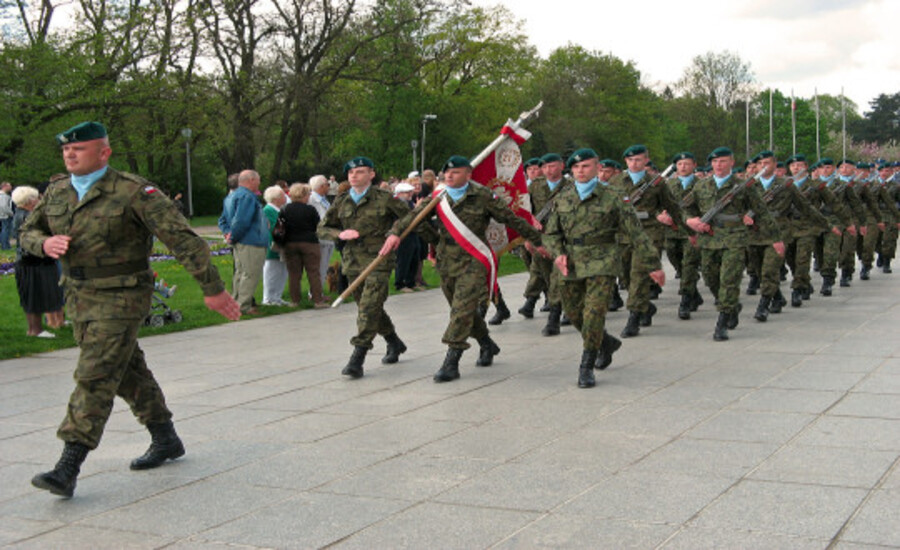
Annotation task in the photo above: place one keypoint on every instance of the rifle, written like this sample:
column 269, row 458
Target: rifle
column 433, row 204
column 727, row 198
column 636, row 196
column 769, row 195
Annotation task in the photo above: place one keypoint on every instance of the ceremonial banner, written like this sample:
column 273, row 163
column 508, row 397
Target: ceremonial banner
column 502, row 172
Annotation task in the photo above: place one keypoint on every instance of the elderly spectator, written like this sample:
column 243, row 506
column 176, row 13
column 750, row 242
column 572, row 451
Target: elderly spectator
column 37, row 278
column 275, row 270
column 301, row 247
column 246, row 229
column 428, row 183
column 6, row 214
column 318, row 199
column 408, row 251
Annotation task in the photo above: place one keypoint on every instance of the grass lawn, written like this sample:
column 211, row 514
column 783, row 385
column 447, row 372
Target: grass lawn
column 188, row 299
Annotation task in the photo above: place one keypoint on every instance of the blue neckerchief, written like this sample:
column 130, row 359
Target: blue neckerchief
column 827, row 180
column 686, row 180
column 636, row 176
column 457, row 192
column 585, row 189
column 527, row 183
column 846, row 178
column 798, row 183
column 552, row 184
column 766, row 183
column 721, row 181
column 83, row 184
column 358, row 196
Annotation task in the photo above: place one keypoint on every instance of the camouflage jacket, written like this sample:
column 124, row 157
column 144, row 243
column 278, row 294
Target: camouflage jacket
column 868, row 199
column 372, row 218
column 105, row 271
column 475, row 209
column 847, row 195
column 886, row 203
column 587, row 232
column 654, row 200
column 541, row 194
column 679, row 193
column 785, row 205
column 728, row 229
column 823, row 200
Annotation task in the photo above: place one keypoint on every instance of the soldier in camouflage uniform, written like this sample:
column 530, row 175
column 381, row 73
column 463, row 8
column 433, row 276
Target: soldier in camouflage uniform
column 543, row 192
column 659, row 212
column 681, row 245
column 724, row 238
column 875, row 222
column 888, row 206
column 361, row 218
column 582, row 235
column 784, row 203
column 100, row 224
column 841, row 218
column 537, row 281
column 843, row 187
column 465, row 280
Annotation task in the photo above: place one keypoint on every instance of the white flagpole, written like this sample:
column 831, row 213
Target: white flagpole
column 843, row 126
column 793, row 123
column 818, row 147
column 771, row 131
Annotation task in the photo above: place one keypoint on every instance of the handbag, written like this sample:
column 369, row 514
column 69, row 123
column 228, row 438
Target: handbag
column 279, row 234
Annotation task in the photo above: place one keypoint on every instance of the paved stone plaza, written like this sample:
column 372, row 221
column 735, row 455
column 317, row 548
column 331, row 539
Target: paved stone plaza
column 787, row 436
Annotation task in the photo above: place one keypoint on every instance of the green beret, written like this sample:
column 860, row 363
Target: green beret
column 883, row 165
column 814, row 166
column 358, row 162
column 610, row 163
column 720, row 152
column 799, row 157
column 682, row 156
column 581, row 155
column 746, row 164
column 779, row 165
column 755, row 159
column 845, row 161
column 826, row 161
column 86, row 131
column 533, row 161
column 634, row 150
column 456, row 161
column 551, row 157
column 707, row 168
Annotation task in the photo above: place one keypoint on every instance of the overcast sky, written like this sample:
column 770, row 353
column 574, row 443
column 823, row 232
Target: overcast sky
column 799, row 44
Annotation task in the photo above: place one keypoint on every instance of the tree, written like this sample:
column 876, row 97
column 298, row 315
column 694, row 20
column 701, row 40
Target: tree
column 882, row 123
column 721, row 79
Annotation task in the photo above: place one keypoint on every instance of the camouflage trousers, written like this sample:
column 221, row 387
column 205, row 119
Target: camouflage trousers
column 829, row 246
column 538, row 277
column 585, row 302
column 689, row 266
column 638, row 280
column 550, row 276
column 847, row 258
column 371, row 318
column 111, row 363
column 888, row 241
column 675, row 251
column 800, row 261
column 464, row 292
column 768, row 267
column 865, row 246
column 722, row 271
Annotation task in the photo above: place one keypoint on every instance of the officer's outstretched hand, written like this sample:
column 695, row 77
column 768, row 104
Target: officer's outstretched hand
column 224, row 304
column 659, row 277
column 562, row 263
column 390, row 245
column 56, row 246
column 779, row 248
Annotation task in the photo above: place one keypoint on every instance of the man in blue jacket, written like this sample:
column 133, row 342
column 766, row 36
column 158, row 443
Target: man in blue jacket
column 247, row 230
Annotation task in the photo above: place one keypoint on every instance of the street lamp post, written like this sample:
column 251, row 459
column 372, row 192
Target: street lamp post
column 415, row 147
column 186, row 134
column 425, row 120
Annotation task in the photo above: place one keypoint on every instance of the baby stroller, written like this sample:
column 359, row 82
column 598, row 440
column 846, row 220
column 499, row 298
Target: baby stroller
column 160, row 312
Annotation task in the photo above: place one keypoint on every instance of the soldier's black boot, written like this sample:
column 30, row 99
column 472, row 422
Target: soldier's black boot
column 545, row 307
column 753, row 286
column 697, row 302
column 632, row 327
column 721, row 333
column 684, row 308
column 586, row 369
column 450, row 369
column 164, row 445
column 486, row 352
column 61, row 479
column 502, row 313
column 395, row 347
column 616, row 303
column 846, row 277
column 647, row 316
column 552, row 326
column 796, row 297
column 564, row 320
column 886, row 268
column 354, row 368
column 864, row 273
column 827, row 284
column 762, row 309
column 527, row 309
column 778, row 302
column 733, row 317
column 655, row 291
column 879, row 261
column 805, row 293
column 608, row 347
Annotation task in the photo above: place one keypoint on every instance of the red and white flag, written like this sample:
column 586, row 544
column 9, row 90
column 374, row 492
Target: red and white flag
column 502, row 172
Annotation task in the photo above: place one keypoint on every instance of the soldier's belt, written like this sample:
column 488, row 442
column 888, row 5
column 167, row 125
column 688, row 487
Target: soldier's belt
column 643, row 215
column 83, row 273
column 595, row 239
column 728, row 220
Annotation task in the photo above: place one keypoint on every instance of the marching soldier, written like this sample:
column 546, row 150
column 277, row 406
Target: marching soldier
column 681, row 246
column 843, row 187
column 537, row 284
column 464, row 260
column 582, row 235
column 100, row 224
column 842, row 218
column 723, row 239
column 656, row 209
column 888, row 206
column 865, row 243
column 361, row 218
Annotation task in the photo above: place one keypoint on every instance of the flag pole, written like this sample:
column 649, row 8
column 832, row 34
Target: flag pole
column 843, row 127
column 818, row 146
column 793, row 123
column 517, row 124
column 771, row 131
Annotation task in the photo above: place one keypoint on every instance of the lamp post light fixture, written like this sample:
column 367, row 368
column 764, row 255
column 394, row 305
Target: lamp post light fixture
column 425, row 120
column 186, row 134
